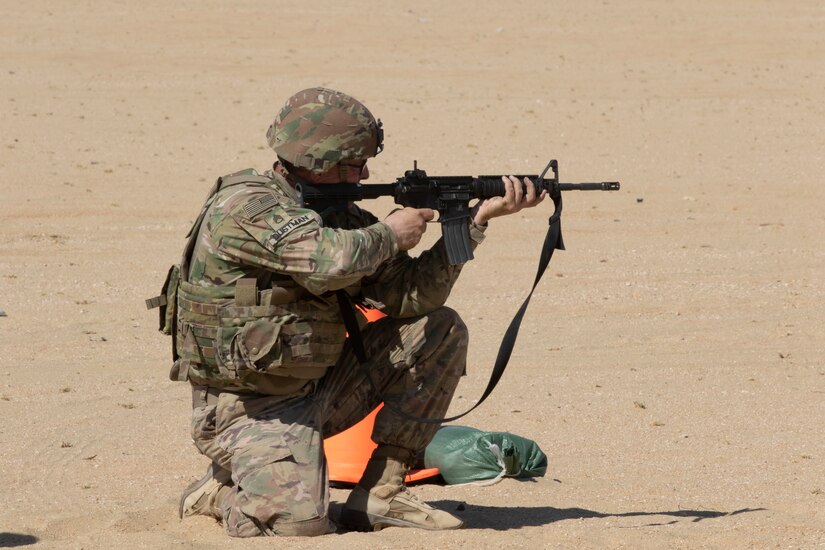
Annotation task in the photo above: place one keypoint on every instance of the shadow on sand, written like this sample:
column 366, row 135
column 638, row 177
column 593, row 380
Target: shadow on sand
column 13, row 540
column 502, row 518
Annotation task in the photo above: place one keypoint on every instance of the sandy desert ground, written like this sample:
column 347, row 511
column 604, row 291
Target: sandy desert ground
column 671, row 364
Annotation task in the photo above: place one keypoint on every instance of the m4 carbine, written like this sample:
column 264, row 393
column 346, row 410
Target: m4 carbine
column 450, row 195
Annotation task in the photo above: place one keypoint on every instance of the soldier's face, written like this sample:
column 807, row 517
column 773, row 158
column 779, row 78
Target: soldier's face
column 353, row 172
column 343, row 173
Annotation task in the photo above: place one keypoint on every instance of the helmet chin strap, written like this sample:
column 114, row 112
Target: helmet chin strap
column 342, row 173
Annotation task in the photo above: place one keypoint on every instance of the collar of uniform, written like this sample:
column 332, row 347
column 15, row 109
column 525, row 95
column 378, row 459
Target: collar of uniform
column 280, row 184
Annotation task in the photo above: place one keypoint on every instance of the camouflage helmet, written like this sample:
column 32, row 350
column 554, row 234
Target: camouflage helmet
column 318, row 128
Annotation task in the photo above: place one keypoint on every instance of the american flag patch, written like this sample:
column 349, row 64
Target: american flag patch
column 261, row 204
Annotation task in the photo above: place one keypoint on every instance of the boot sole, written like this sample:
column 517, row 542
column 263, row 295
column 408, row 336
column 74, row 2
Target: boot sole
column 377, row 523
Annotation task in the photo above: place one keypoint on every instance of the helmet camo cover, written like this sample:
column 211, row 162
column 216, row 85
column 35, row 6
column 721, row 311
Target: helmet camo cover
column 318, row 128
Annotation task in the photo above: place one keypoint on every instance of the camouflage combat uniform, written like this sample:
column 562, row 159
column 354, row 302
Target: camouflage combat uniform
column 271, row 370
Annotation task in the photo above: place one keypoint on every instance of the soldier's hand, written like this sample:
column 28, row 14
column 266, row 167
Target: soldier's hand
column 516, row 196
column 409, row 225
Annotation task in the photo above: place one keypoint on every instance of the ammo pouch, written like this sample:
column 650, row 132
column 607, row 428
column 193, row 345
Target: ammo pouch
column 227, row 333
column 168, row 296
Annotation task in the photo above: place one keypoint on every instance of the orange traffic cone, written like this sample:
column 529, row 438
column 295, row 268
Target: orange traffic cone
column 349, row 451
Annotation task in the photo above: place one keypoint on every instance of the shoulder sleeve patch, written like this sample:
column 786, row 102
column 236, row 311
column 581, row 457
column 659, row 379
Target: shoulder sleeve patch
column 259, row 205
column 282, row 230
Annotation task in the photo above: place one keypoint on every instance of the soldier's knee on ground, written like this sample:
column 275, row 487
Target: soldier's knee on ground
column 238, row 524
column 278, row 493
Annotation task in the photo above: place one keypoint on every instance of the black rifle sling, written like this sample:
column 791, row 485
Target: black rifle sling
column 552, row 241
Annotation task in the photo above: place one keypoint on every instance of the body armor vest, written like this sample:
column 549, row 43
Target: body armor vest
column 269, row 332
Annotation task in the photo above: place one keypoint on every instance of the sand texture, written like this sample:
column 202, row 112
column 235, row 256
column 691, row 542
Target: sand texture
column 671, row 361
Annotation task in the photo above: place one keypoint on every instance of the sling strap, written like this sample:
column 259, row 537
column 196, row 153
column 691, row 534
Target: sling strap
column 552, row 242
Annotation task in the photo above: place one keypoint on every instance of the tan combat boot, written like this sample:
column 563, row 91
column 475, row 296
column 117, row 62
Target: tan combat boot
column 203, row 497
column 381, row 500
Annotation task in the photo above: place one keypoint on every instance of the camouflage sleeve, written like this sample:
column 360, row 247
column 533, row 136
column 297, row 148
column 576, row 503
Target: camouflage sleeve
column 291, row 240
column 406, row 287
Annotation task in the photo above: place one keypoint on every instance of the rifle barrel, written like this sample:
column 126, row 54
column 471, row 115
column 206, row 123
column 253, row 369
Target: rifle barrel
column 492, row 186
column 594, row 186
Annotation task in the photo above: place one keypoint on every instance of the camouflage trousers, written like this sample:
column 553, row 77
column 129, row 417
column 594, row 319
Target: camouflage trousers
column 273, row 445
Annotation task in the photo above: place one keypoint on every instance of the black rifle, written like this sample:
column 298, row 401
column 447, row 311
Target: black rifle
column 450, row 195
